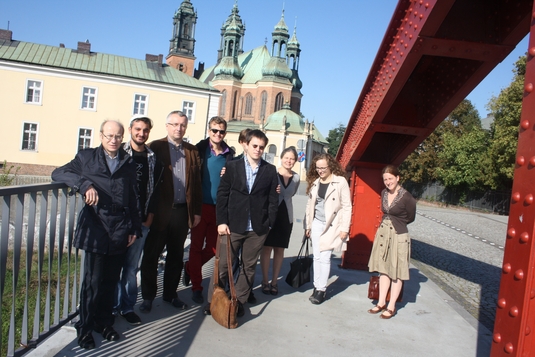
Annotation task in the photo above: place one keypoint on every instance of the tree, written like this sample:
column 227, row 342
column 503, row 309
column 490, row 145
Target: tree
column 506, row 108
column 335, row 138
column 421, row 165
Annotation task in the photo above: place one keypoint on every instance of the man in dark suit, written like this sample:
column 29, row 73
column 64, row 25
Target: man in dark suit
column 179, row 208
column 246, row 208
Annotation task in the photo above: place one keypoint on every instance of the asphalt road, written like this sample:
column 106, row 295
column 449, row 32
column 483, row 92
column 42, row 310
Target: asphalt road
column 462, row 252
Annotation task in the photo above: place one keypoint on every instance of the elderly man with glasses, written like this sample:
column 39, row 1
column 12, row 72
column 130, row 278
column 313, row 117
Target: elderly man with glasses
column 215, row 154
column 107, row 225
column 178, row 210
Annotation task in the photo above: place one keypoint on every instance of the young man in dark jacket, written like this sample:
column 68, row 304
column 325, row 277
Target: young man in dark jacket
column 214, row 154
column 149, row 172
column 109, row 222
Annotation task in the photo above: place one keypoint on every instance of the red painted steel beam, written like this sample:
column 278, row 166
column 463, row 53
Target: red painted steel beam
column 514, row 333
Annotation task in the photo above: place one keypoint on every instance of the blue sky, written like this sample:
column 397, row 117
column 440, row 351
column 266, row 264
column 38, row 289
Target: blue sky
column 339, row 39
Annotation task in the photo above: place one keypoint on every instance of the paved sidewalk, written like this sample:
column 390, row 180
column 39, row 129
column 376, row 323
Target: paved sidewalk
column 428, row 323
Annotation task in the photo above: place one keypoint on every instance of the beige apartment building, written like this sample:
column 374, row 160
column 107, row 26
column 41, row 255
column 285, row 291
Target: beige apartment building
column 54, row 100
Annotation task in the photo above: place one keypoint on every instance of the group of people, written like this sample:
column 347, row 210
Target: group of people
column 143, row 198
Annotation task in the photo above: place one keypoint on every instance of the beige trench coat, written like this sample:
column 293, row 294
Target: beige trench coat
column 337, row 213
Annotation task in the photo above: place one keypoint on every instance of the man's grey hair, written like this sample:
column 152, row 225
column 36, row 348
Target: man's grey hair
column 177, row 112
column 112, row 121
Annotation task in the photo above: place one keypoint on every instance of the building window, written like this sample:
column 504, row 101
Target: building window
column 33, row 91
column 188, row 108
column 89, row 98
column 84, row 138
column 263, row 105
column 223, row 105
column 140, row 104
column 279, row 100
column 29, row 136
column 248, row 104
column 272, row 149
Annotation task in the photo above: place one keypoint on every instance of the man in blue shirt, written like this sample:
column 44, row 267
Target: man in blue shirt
column 214, row 154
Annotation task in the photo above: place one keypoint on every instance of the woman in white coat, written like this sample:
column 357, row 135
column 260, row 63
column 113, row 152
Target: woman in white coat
column 327, row 217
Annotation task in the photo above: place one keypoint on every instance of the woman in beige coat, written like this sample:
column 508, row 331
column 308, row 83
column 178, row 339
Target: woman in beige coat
column 328, row 216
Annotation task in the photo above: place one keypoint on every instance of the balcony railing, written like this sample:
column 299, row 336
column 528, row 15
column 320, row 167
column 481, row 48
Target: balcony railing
column 39, row 270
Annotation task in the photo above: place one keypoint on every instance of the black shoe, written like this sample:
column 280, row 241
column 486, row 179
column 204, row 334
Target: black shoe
column 86, row 341
column 132, row 318
column 206, row 310
column 241, row 310
column 251, row 299
column 186, row 278
column 145, row 306
column 312, row 296
column 176, row 302
column 196, row 296
column 318, row 298
column 108, row 333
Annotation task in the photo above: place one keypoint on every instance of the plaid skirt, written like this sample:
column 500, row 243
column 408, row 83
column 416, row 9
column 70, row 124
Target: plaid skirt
column 391, row 252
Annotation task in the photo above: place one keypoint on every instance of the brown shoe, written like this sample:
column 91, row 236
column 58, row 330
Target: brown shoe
column 376, row 309
column 386, row 317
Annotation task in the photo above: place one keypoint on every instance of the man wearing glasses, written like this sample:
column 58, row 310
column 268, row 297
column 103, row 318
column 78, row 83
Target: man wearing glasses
column 109, row 222
column 178, row 209
column 246, row 208
column 214, row 154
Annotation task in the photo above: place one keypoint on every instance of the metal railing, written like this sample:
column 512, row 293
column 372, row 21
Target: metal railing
column 39, row 269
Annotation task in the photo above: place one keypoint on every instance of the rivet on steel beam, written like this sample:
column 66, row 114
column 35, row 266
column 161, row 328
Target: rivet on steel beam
column 520, row 161
column 525, row 124
column 410, row 36
column 528, row 330
column 528, row 199
column 524, row 238
column 513, row 312
column 509, row 348
column 528, row 87
column 426, row 4
column 516, row 197
column 415, row 26
column 506, row 268
column 532, row 161
column 519, row 274
column 421, row 16
column 497, row 337
column 502, row 303
column 511, row 233
column 415, row 13
column 410, row 23
column 401, row 54
column 532, row 51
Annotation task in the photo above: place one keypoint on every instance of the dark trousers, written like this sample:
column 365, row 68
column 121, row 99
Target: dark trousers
column 250, row 245
column 101, row 274
column 173, row 236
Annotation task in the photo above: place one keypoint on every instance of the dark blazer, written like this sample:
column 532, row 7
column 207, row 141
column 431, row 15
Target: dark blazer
column 234, row 202
column 104, row 228
column 166, row 189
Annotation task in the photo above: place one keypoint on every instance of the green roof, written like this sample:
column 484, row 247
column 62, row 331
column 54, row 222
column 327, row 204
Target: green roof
column 96, row 63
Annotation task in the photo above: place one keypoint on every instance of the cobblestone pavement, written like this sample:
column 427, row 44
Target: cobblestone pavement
column 462, row 252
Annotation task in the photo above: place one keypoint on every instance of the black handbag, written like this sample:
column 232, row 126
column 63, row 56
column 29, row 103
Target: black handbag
column 300, row 268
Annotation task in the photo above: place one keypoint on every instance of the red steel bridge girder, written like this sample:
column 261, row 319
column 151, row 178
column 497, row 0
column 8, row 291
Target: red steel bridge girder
column 514, row 333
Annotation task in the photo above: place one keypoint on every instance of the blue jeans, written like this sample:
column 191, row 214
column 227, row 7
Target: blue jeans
column 126, row 292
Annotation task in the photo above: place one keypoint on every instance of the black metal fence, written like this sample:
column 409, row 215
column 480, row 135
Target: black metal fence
column 490, row 201
column 39, row 271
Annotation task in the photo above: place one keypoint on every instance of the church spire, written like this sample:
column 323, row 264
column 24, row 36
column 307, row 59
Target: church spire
column 280, row 38
column 234, row 16
column 182, row 45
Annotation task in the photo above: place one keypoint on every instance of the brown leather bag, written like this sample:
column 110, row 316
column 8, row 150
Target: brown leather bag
column 373, row 289
column 222, row 308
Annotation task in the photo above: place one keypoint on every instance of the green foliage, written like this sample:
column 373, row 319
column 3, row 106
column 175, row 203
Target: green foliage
column 461, row 160
column 7, row 176
column 506, row 108
column 335, row 138
column 421, row 166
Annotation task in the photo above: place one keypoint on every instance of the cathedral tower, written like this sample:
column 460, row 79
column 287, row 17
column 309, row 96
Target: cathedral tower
column 182, row 44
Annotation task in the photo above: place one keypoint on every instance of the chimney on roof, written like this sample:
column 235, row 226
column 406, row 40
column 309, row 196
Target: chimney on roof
column 154, row 58
column 6, row 35
column 61, row 45
column 84, row 47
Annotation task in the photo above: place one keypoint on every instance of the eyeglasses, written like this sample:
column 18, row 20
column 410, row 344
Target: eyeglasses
column 259, row 146
column 321, row 168
column 176, row 125
column 111, row 137
column 215, row 131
